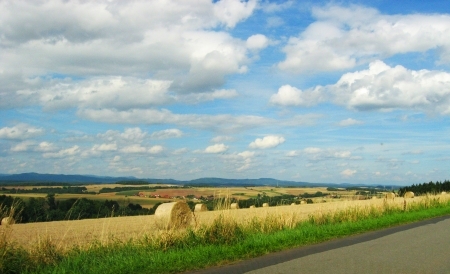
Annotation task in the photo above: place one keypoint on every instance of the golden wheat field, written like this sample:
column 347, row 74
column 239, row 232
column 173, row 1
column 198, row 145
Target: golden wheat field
column 66, row 234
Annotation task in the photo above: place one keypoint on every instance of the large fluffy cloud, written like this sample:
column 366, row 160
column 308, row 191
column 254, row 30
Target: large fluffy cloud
column 342, row 37
column 69, row 54
column 112, row 92
column 380, row 87
column 384, row 88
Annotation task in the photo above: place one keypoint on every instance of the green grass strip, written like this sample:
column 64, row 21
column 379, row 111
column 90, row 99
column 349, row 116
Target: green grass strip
column 133, row 258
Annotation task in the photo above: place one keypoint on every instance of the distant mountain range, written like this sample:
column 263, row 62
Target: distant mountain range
column 77, row 179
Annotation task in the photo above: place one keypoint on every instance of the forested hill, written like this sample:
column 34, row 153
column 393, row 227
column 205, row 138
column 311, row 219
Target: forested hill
column 31, row 178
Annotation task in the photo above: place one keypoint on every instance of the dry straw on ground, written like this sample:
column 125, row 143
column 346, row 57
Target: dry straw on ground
column 173, row 215
column 85, row 232
column 200, row 208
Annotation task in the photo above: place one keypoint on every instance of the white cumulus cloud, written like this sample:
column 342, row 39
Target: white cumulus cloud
column 105, row 147
column 22, row 146
column 343, row 37
column 20, row 132
column 230, row 12
column 269, row 141
column 257, row 42
column 128, row 54
column 217, row 148
column 291, row 96
column 46, row 147
column 156, row 149
column 380, row 88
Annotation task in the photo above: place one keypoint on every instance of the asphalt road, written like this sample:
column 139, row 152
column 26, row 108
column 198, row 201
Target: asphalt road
column 422, row 247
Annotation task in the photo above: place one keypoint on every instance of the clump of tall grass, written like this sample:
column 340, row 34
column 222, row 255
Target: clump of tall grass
column 13, row 258
column 271, row 223
column 46, row 252
column 352, row 214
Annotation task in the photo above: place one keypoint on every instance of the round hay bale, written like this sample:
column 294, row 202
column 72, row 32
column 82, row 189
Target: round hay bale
column 302, row 202
column 8, row 221
column 234, row 206
column 173, row 215
column 374, row 197
column 252, row 206
column 200, row 207
column 409, row 194
column 443, row 193
column 266, row 205
column 293, row 204
column 389, row 196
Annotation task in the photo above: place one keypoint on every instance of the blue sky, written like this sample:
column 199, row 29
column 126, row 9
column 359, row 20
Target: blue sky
column 316, row 91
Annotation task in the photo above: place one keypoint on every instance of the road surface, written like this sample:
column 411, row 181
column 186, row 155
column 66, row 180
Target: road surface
column 422, row 247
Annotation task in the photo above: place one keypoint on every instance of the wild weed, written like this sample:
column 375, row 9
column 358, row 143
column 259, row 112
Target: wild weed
column 13, row 258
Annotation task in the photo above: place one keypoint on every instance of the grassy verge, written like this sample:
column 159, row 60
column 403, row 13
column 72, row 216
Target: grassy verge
column 219, row 243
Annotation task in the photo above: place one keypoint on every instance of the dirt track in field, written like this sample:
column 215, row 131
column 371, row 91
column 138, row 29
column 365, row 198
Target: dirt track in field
column 85, row 232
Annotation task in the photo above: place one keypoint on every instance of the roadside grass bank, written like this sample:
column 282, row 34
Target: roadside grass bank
column 221, row 242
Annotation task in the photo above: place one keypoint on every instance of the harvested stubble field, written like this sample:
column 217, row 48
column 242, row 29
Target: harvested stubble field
column 67, row 234
column 238, row 192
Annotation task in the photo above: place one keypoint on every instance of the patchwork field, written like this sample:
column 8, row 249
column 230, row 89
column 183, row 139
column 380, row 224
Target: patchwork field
column 147, row 199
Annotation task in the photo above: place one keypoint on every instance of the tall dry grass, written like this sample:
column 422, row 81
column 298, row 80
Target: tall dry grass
column 223, row 226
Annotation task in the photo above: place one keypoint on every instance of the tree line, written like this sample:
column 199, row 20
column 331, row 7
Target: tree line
column 57, row 190
column 81, row 189
column 430, row 187
column 260, row 199
column 137, row 188
column 49, row 209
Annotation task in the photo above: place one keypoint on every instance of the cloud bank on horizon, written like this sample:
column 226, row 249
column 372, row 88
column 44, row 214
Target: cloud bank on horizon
column 313, row 91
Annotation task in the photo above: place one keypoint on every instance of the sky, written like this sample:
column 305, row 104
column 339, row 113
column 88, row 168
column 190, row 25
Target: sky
column 308, row 91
